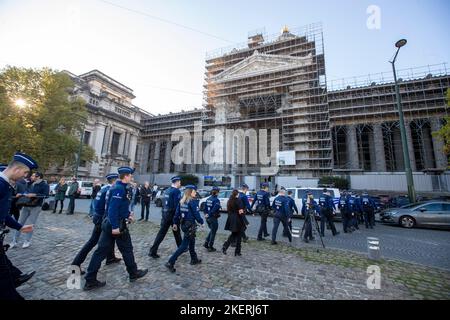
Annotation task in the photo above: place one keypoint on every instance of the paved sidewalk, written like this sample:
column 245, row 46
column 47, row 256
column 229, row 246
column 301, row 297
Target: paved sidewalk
column 262, row 272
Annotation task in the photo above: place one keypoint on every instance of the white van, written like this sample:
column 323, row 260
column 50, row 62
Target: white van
column 299, row 194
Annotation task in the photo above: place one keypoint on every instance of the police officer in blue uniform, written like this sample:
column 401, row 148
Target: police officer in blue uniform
column 101, row 207
column 344, row 207
column 10, row 276
column 354, row 207
column 368, row 208
column 292, row 208
column 114, row 227
column 309, row 208
column 327, row 208
column 282, row 214
column 262, row 203
column 212, row 214
column 186, row 216
column 171, row 200
column 247, row 208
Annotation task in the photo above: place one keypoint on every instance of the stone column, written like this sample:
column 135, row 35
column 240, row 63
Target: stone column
column 438, row 145
column 409, row 140
column 427, row 148
column 167, row 156
column 156, row 156
column 398, row 151
column 380, row 157
column 352, row 147
column 144, row 158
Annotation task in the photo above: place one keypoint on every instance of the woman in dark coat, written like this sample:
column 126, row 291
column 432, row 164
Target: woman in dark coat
column 235, row 222
column 60, row 194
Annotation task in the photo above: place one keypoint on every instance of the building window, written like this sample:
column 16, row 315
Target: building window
column 115, row 143
column 122, row 112
column 83, row 163
column 136, row 154
column 87, row 137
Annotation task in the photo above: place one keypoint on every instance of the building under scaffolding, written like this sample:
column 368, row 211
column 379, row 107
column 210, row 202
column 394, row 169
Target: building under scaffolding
column 279, row 82
column 276, row 82
column 364, row 121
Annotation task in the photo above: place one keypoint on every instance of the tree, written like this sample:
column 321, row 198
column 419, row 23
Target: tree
column 444, row 132
column 40, row 118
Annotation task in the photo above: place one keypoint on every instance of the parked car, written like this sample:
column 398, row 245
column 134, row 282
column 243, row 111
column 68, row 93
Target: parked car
column 424, row 214
column 399, row 201
column 85, row 188
column 159, row 196
column 52, row 187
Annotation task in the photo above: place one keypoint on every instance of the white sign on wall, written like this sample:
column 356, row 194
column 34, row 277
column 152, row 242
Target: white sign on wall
column 286, row 158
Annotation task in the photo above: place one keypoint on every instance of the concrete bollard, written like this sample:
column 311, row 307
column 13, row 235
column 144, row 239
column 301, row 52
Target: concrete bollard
column 373, row 248
column 295, row 233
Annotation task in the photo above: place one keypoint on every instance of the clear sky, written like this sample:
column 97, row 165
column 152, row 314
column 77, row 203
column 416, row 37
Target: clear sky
column 158, row 47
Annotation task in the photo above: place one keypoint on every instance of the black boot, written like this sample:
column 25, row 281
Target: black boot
column 139, row 274
column 206, row 245
column 197, row 261
column 93, row 285
column 23, row 278
column 170, row 267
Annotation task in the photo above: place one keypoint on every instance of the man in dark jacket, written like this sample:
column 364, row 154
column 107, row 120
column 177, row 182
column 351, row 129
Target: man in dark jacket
column 73, row 189
column 37, row 191
column 146, row 193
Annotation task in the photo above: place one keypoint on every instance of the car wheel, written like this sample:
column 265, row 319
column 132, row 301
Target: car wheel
column 158, row 203
column 407, row 222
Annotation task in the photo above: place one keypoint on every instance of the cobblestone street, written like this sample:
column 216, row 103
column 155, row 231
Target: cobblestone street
column 262, row 272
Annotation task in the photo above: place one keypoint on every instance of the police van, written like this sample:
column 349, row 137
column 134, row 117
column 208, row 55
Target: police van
column 300, row 193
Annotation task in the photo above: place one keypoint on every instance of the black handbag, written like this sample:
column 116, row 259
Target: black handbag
column 28, row 202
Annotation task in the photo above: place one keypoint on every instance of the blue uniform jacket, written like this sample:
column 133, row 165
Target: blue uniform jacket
column 326, row 202
column 281, row 206
column 188, row 211
column 353, row 204
column 367, row 203
column 5, row 205
column 212, row 207
column 343, row 203
column 262, row 197
column 292, row 206
column 100, row 204
column 244, row 199
column 119, row 203
column 171, row 200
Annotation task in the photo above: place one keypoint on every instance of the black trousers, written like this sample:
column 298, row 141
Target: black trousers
column 263, row 226
column 145, row 205
column 369, row 217
column 308, row 227
column 166, row 223
column 7, row 288
column 105, row 243
column 90, row 244
column 71, row 207
column 236, row 238
column 326, row 215
column 56, row 205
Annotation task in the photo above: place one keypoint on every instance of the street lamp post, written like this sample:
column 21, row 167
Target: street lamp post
column 407, row 161
column 80, row 149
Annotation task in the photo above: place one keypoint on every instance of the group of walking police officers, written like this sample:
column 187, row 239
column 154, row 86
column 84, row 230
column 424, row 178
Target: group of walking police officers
column 179, row 212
